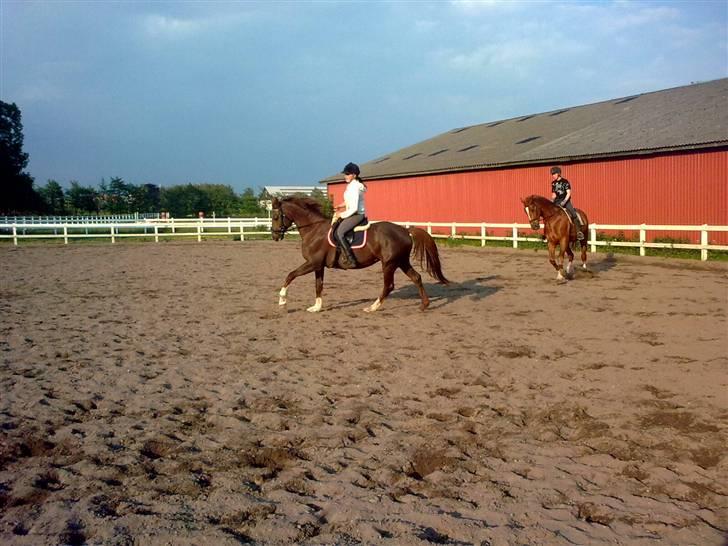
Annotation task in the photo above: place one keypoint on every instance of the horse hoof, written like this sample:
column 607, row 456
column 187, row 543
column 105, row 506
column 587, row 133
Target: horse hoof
column 281, row 301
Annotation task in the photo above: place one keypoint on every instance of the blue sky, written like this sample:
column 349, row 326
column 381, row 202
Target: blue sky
column 285, row 93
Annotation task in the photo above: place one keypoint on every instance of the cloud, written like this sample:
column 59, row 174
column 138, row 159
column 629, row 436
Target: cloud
column 476, row 6
column 496, row 55
column 171, row 27
column 174, row 28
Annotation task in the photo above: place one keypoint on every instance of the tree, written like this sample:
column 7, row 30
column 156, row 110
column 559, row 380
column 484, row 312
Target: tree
column 82, row 200
column 116, row 196
column 326, row 205
column 52, row 194
column 223, row 201
column 16, row 187
column 145, row 198
column 249, row 203
column 185, row 200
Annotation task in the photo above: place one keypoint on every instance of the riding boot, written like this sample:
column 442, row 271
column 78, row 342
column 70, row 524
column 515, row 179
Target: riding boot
column 347, row 260
column 579, row 233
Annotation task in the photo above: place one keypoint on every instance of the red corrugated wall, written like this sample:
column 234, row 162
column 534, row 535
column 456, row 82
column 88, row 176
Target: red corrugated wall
column 676, row 189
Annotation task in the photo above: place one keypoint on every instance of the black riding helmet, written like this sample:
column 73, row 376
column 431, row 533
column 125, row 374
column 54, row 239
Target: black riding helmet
column 555, row 170
column 351, row 168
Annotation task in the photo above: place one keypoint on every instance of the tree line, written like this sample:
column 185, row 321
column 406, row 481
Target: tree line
column 20, row 195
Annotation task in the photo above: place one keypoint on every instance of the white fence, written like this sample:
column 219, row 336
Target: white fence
column 100, row 219
column 593, row 242
column 201, row 228
column 155, row 228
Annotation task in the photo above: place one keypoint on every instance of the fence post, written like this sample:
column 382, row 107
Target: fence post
column 482, row 234
column 643, row 238
column 230, row 226
column 15, row 235
column 113, row 239
column 156, row 233
column 429, row 228
column 453, row 230
column 242, row 232
column 704, row 243
column 65, row 234
column 173, row 231
column 515, row 236
column 593, row 238
column 199, row 233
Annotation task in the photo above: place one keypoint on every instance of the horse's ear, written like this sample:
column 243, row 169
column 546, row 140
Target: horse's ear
column 275, row 202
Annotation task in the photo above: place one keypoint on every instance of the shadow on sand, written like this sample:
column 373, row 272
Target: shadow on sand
column 442, row 294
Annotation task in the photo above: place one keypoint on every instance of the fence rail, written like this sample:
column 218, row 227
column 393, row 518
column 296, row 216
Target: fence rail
column 101, row 219
column 200, row 228
column 593, row 241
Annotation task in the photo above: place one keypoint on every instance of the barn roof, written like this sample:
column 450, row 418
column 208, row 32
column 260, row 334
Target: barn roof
column 682, row 118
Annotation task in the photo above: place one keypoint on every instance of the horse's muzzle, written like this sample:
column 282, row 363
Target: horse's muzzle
column 535, row 225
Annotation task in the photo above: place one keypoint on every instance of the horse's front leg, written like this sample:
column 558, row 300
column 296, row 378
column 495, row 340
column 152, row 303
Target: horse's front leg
column 303, row 269
column 563, row 246
column 570, row 266
column 552, row 255
column 316, row 307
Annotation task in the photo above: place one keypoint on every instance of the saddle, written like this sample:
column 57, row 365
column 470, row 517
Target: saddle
column 570, row 217
column 357, row 237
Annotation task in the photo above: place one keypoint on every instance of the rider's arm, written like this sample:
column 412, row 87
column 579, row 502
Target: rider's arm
column 567, row 198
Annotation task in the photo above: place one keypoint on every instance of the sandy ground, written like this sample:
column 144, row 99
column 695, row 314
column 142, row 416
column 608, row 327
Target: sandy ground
column 157, row 394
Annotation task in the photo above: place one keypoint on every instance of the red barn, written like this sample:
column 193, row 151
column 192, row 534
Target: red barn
column 657, row 158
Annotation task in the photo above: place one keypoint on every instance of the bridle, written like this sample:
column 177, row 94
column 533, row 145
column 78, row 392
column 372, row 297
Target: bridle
column 534, row 221
column 282, row 230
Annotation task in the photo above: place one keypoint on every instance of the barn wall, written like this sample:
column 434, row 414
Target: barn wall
column 689, row 188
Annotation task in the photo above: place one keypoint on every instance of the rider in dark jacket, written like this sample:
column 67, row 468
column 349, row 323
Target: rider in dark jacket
column 561, row 195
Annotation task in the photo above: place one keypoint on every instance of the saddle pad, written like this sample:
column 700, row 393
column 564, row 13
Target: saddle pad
column 360, row 238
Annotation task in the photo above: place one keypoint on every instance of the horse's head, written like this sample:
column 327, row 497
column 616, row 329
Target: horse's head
column 533, row 211
column 280, row 223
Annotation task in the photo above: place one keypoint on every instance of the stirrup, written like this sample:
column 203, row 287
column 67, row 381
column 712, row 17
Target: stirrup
column 579, row 236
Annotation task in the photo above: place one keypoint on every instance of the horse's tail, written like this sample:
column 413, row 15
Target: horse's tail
column 424, row 249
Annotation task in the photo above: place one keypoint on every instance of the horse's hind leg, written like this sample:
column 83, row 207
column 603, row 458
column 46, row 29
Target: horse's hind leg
column 388, row 270
column 417, row 279
column 583, row 255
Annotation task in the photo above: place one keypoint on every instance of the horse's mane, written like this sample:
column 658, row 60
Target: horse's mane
column 308, row 203
column 538, row 199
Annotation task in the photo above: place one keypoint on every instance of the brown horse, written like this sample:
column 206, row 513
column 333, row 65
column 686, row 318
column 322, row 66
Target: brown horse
column 386, row 242
column 559, row 229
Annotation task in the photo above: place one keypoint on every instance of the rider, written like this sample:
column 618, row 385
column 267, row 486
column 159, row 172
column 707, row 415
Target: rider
column 352, row 212
column 561, row 195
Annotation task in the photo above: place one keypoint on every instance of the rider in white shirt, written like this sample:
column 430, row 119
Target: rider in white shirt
column 352, row 213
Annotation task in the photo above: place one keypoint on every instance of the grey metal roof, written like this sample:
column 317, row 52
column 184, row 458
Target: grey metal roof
column 681, row 118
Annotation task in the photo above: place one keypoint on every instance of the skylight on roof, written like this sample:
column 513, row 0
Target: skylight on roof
column 459, row 130
column 381, row 160
column 438, row 152
column 494, row 124
column 468, row 148
column 529, row 139
column 527, row 117
column 627, row 99
column 560, row 112
column 411, row 156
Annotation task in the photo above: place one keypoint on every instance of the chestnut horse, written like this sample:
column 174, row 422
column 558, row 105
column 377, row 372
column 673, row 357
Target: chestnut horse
column 386, row 242
column 559, row 229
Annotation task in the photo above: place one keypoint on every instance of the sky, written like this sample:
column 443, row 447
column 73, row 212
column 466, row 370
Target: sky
column 251, row 94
